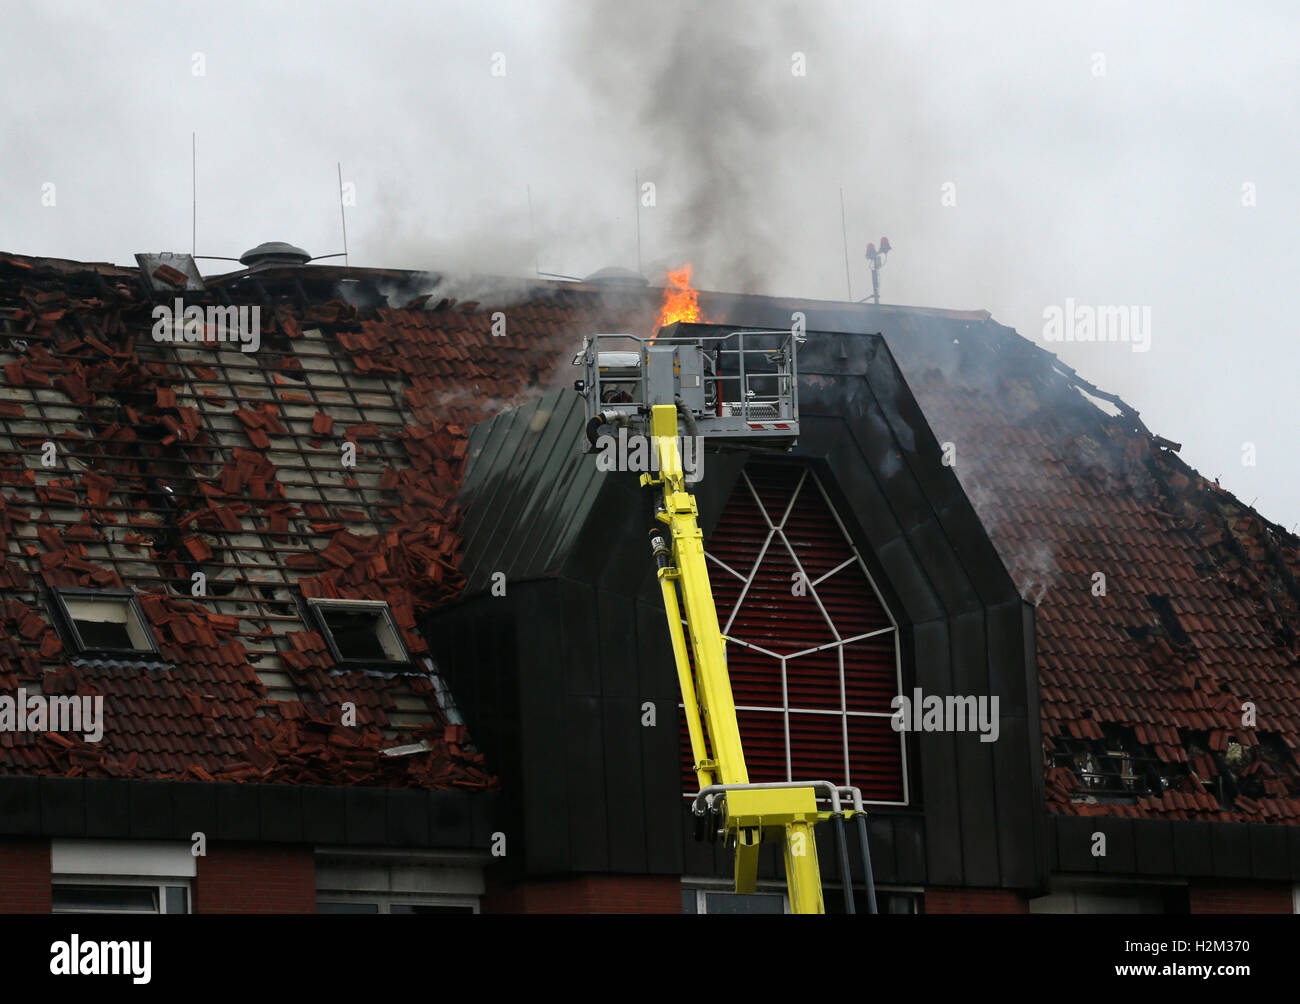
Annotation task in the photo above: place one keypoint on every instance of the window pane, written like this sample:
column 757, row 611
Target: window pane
column 178, row 899
column 105, row 623
column 104, row 635
column 729, row 902
column 813, row 680
column 817, row 743
column 356, row 633
column 764, row 735
column 361, row 633
column 105, row 899
column 347, row 907
column 876, row 758
column 428, row 908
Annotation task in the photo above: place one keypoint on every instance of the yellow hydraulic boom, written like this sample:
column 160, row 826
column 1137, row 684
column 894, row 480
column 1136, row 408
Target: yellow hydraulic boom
column 753, row 813
column 734, row 386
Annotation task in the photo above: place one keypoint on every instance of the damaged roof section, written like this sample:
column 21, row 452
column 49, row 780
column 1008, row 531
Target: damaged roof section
column 1169, row 687
column 228, row 488
column 1169, row 669
column 1190, row 658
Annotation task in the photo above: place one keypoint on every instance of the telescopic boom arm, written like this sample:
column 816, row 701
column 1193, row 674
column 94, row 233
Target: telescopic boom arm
column 752, row 813
column 737, row 386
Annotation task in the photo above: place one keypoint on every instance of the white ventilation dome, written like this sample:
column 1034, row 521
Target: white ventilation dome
column 274, row 253
column 615, row 276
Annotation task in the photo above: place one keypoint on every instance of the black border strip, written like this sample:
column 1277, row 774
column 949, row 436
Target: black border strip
column 1150, row 847
column 109, row 808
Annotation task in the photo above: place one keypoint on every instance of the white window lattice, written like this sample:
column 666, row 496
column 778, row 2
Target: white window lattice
column 777, row 545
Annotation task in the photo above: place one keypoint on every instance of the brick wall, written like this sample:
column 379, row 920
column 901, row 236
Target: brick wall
column 975, row 901
column 25, row 876
column 587, row 894
column 1240, row 897
column 256, row 878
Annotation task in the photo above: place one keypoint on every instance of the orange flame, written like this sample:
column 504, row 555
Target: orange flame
column 681, row 303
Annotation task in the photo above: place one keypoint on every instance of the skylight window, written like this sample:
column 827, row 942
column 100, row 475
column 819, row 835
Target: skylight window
column 360, row 632
column 104, row 623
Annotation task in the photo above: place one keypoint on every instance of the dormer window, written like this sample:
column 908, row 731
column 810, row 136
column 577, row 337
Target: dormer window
column 360, row 633
column 104, row 622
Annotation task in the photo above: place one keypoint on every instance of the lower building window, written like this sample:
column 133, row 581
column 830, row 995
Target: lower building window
column 79, row 895
column 887, row 901
column 391, row 881
column 395, row 906
column 719, row 899
column 1065, row 896
column 122, row 876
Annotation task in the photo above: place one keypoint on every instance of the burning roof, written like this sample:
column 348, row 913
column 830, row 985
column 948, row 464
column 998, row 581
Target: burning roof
column 176, row 458
column 681, row 302
column 1169, row 667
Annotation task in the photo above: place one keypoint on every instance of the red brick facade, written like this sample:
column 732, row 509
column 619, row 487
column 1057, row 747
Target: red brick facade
column 1241, row 897
column 256, row 878
column 25, row 876
column 587, row 894
column 1237, row 896
column 262, row 878
column 975, row 901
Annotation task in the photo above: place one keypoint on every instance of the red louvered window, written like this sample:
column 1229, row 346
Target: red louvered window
column 812, row 650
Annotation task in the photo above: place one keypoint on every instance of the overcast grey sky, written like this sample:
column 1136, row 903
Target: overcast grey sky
column 1016, row 155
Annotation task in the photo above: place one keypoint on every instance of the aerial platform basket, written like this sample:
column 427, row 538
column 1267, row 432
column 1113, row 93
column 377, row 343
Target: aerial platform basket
column 728, row 383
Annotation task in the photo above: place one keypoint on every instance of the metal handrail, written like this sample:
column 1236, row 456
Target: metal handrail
column 706, row 794
column 714, row 789
column 758, row 397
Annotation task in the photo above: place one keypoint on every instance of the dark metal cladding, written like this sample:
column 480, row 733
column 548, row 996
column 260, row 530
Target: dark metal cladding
column 583, row 608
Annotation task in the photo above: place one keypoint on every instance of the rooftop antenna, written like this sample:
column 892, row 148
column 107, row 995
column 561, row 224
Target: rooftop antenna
column 877, row 262
column 344, row 217
column 532, row 230
column 636, row 182
column 844, row 231
column 537, row 253
column 194, row 195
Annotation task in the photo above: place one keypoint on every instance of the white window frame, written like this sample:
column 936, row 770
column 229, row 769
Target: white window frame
column 68, row 600
column 387, row 876
column 386, row 901
column 156, row 882
column 916, row 892
column 776, row 532
column 402, row 660
column 703, row 887
column 1066, row 893
column 153, row 863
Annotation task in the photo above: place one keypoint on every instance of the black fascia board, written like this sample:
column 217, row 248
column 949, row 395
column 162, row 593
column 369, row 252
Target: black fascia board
column 49, row 806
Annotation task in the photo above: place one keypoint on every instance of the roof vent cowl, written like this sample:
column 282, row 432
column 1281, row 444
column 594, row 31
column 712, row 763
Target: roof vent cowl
column 274, row 253
column 615, row 276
